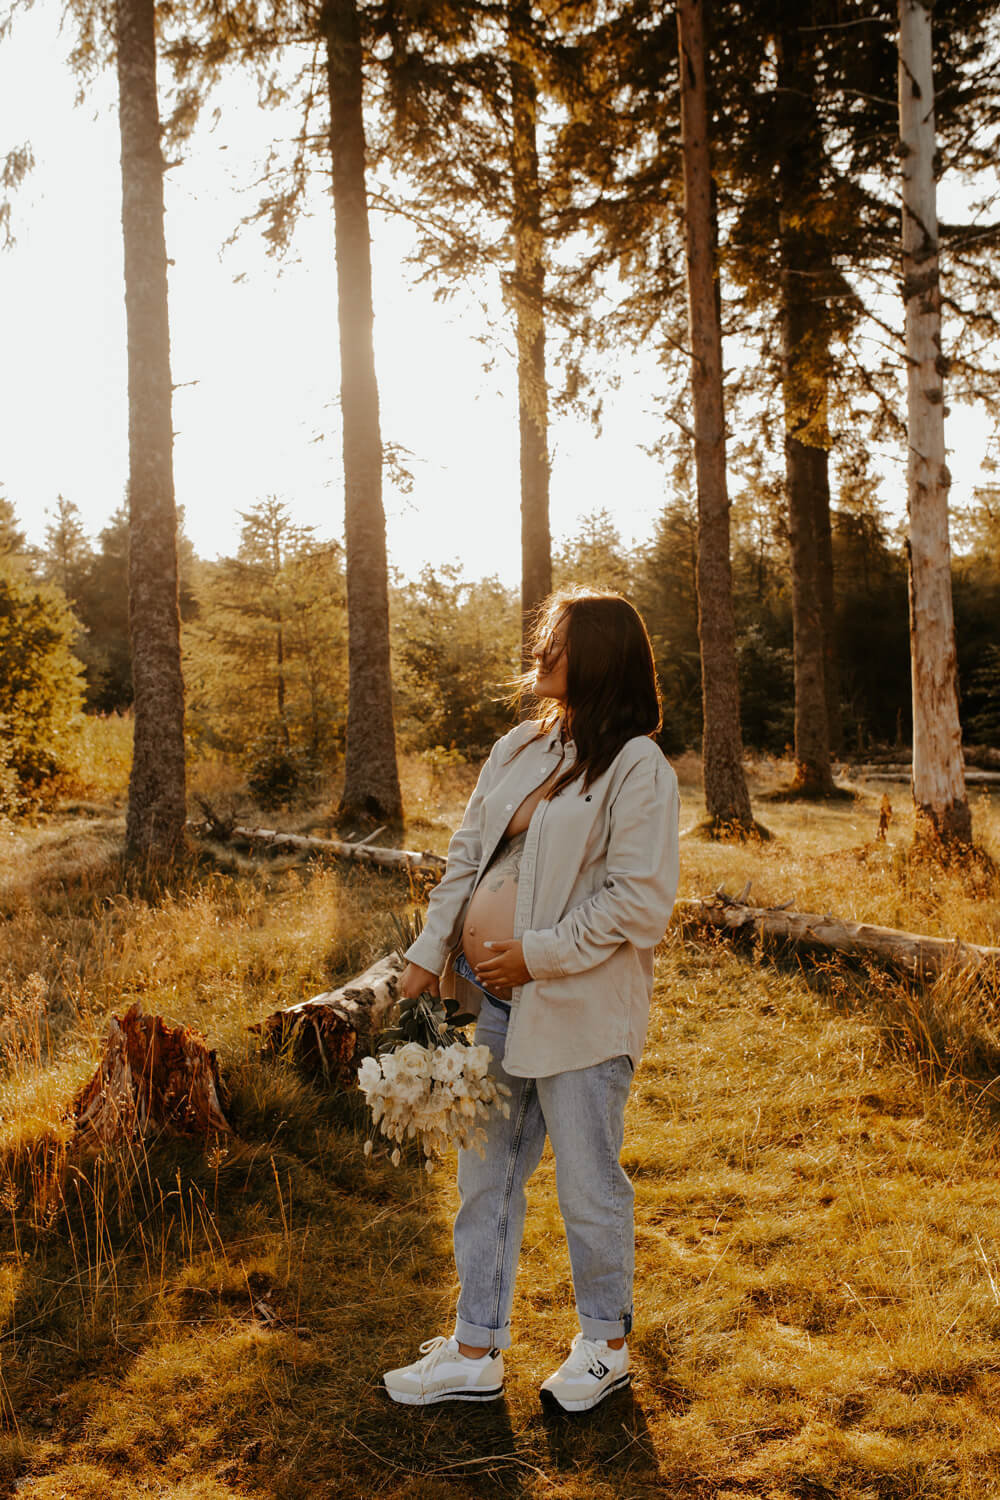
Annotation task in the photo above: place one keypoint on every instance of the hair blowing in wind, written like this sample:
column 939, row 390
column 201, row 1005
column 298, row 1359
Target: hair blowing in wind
column 611, row 693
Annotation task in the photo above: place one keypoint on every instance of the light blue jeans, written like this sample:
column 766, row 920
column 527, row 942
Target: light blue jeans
column 583, row 1114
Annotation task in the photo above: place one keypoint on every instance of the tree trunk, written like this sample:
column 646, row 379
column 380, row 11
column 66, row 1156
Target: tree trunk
column 279, row 644
column 156, row 807
column 528, row 290
column 726, row 797
column 938, row 779
column 803, row 467
column 804, row 362
column 824, row 564
column 286, row 738
column 371, row 776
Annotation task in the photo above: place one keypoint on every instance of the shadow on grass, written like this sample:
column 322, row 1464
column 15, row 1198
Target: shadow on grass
column 945, row 1028
column 793, row 793
column 719, row 831
column 503, row 1448
column 613, row 1439
column 462, row 1446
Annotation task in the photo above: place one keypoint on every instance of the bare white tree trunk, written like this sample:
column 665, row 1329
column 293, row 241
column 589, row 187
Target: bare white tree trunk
column 938, row 773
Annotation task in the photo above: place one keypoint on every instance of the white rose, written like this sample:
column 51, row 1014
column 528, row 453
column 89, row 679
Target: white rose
column 413, row 1059
column 369, row 1074
column 477, row 1061
column 447, row 1064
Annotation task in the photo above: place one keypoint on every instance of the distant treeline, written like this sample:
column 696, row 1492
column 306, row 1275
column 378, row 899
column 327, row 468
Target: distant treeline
column 265, row 635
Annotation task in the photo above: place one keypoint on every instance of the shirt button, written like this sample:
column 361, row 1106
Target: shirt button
column 508, row 807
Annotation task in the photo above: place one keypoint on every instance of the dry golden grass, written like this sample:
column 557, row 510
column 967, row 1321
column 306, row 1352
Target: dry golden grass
column 98, row 760
column 826, row 858
column 818, row 1288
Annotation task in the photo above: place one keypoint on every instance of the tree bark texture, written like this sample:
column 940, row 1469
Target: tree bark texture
column 327, row 1033
column 912, row 953
column 824, row 559
column 156, row 806
column 151, row 1077
column 938, row 780
column 528, row 293
column 804, row 370
column 279, row 649
column 371, row 775
column 726, row 797
column 804, row 465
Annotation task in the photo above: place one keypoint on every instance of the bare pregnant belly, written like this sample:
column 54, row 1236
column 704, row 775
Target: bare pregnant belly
column 490, row 913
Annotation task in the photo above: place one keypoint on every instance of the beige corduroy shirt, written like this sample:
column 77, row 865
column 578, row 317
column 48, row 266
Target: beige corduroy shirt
column 597, row 883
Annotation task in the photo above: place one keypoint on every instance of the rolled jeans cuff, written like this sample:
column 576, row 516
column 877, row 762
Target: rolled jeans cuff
column 600, row 1328
column 483, row 1338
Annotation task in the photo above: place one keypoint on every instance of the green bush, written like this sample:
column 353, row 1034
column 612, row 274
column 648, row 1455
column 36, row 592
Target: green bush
column 277, row 774
column 455, row 650
column 766, row 691
column 41, row 688
column 983, row 698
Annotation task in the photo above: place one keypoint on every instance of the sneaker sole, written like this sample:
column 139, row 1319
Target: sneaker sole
column 416, row 1399
column 551, row 1399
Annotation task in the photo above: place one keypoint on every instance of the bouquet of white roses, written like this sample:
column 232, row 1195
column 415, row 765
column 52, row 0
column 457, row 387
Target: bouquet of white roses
column 427, row 1082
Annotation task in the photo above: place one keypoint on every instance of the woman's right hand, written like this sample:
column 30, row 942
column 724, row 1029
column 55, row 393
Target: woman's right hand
column 416, row 981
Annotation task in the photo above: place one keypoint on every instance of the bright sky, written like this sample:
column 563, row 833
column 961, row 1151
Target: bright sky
column 254, row 352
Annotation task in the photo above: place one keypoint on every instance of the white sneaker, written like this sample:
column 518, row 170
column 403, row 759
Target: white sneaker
column 445, row 1375
column 591, row 1372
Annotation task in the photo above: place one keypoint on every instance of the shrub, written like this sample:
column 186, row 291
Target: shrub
column 277, row 774
column 41, row 689
column 455, row 646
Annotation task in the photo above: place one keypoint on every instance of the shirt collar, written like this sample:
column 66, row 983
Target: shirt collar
column 554, row 743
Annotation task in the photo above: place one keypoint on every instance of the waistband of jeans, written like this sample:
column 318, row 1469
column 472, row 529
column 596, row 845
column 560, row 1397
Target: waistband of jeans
column 465, row 969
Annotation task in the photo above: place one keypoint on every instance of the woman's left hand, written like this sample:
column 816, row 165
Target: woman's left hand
column 506, row 968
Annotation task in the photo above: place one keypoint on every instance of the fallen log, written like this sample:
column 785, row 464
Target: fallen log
column 423, row 861
column 328, row 1032
column 911, row 952
column 903, row 772
column 151, row 1077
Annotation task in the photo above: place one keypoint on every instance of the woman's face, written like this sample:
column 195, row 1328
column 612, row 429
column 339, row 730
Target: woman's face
column 551, row 663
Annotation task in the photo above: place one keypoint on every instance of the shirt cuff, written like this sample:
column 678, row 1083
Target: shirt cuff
column 428, row 953
column 540, row 959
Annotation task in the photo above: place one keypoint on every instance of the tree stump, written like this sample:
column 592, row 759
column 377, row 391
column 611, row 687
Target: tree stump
column 326, row 1034
column 152, row 1077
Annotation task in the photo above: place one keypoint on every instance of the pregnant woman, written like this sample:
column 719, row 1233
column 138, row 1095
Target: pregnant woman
column 559, row 884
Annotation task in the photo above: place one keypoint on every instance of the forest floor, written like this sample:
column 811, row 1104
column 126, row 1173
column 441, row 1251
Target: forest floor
column 815, row 1151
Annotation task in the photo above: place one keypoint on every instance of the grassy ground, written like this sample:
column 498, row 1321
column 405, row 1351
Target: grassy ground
column 818, row 1288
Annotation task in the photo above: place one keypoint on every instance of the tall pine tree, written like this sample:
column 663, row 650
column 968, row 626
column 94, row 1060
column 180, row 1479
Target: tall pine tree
column 157, row 804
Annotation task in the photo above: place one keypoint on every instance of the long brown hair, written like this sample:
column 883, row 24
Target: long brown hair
column 611, row 690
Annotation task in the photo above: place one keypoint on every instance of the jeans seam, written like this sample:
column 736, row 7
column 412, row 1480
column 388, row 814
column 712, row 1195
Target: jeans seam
column 515, row 1145
column 626, row 1290
column 615, row 1166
